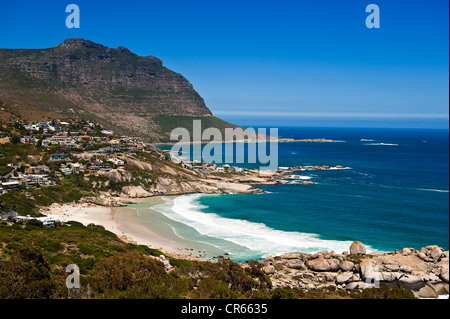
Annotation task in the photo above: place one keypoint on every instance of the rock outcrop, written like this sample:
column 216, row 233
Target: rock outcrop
column 424, row 272
column 135, row 192
column 357, row 248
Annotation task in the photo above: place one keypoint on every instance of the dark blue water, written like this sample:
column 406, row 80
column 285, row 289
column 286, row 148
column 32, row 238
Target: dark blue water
column 395, row 195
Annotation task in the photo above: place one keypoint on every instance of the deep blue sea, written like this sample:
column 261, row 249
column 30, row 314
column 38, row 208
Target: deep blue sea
column 394, row 194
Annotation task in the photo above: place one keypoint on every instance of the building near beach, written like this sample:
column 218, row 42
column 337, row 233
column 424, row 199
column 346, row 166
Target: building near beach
column 10, row 185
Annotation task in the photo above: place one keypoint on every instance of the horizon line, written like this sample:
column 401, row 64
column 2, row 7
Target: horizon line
column 438, row 116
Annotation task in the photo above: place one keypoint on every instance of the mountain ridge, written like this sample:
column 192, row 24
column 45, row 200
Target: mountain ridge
column 131, row 94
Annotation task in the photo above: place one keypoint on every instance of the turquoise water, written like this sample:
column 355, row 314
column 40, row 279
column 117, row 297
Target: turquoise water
column 394, row 195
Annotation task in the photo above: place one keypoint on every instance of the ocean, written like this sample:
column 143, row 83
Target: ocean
column 393, row 194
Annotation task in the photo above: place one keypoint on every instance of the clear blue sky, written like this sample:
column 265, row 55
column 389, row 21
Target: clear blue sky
column 306, row 60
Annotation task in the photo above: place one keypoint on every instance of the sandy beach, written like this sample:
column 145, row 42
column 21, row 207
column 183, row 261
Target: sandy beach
column 127, row 224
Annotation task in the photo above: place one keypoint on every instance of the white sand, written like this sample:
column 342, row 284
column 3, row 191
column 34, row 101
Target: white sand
column 128, row 232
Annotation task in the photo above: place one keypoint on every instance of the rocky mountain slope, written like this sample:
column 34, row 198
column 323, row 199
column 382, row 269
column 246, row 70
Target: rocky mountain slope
column 131, row 94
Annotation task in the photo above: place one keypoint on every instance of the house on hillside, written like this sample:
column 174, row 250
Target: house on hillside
column 59, row 157
column 29, row 140
column 59, row 139
column 12, row 214
column 37, row 170
column 34, row 180
column 10, row 185
column 76, row 167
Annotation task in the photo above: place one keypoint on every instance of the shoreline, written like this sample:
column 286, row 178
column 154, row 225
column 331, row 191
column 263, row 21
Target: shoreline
column 121, row 223
column 423, row 272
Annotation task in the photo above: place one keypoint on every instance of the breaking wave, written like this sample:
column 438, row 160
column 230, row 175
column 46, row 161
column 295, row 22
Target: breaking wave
column 258, row 237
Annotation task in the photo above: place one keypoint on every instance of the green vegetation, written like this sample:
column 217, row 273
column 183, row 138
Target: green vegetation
column 357, row 259
column 33, row 260
column 27, row 202
column 71, row 189
column 20, row 202
column 19, row 153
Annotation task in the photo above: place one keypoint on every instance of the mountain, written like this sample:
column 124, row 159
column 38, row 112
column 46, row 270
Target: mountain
column 130, row 94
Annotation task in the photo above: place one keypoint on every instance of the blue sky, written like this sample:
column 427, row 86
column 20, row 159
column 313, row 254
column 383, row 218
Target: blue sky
column 306, row 61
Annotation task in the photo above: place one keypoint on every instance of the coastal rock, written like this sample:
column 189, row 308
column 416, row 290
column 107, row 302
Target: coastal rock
column 316, row 255
column 330, row 276
column 410, row 282
column 444, row 275
column 357, row 248
column 406, row 269
column 392, row 267
column 344, row 278
column 269, row 270
column 378, row 253
column 335, row 265
column 135, row 192
column 390, row 276
column 432, row 290
column 230, row 188
column 424, row 276
column 119, row 176
column 369, row 270
column 305, row 275
column 436, row 253
column 387, row 260
column 291, row 256
column 430, row 278
column 347, row 266
column 269, row 260
column 310, row 287
column 295, row 264
column 319, row 264
column 424, row 257
column 357, row 285
column 406, row 251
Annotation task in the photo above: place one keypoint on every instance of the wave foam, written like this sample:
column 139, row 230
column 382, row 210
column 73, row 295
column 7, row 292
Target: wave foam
column 432, row 190
column 257, row 237
column 381, row 144
column 299, row 177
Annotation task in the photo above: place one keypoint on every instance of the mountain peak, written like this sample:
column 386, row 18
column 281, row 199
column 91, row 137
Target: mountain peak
column 78, row 42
